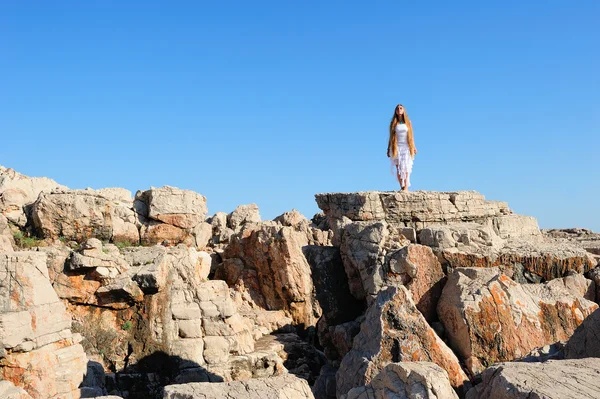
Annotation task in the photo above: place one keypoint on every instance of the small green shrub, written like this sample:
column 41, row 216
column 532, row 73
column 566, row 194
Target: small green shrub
column 24, row 241
column 127, row 325
column 123, row 244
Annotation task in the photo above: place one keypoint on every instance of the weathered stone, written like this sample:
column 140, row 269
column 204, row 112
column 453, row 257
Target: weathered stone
column 585, row 340
column 515, row 226
column 594, row 275
column 489, row 318
column 415, row 209
column 173, row 206
column 216, row 349
column 162, row 233
column 394, row 331
column 9, row 391
column 121, row 293
column 80, row 214
column 576, row 379
column 242, row 215
column 278, row 275
column 202, row 233
column 40, row 353
column 410, row 380
column 190, row 328
column 364, row 248
column 285, row 386
column 17, row 191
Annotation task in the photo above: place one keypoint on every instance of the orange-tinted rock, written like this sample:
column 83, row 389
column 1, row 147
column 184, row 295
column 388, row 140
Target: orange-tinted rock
column 490, row 318
column 394, row 331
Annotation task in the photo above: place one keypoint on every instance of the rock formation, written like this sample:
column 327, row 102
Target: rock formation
column 407, row 294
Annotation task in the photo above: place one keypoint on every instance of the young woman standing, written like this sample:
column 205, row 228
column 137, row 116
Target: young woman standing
column 401, row 146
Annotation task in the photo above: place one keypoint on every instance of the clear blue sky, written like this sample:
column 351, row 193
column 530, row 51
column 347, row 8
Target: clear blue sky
column 272, row 102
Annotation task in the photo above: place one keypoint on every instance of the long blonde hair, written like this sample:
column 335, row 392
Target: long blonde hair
column 393, row 143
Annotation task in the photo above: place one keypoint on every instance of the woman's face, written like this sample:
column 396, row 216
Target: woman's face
column 400, row 110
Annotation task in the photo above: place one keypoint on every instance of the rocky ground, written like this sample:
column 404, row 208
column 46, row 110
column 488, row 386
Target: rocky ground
column 383, row 295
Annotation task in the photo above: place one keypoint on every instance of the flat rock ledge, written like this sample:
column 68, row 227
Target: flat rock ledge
column 283, row 387
column 415, row 209
column 554, row 379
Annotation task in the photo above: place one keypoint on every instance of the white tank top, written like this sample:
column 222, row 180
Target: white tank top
column 402, row 134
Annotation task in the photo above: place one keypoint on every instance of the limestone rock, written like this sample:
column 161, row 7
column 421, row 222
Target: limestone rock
column 153, row 233
column 364, row 248
column 17, row 191
column 9, row 391
column 417, row 209
column 82, row 214
column 282, row 387
column 489, row 318
column 394, row 331
column 6, row 238
column 376, row 255
column 533, row 260
column 41, row 355
column 594, row 275
column 173, row 206
column 410, row 380
column 515, row 226
column 275, row 274
column 576, row 379
column 242, row 215
column 584, row 342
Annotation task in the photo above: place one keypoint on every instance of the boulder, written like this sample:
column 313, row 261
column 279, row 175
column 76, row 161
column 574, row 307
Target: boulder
column 282, row 387
column 410, row 380
column 173, row 206
column 376, row 255
column 40, row 353
column 82, row 214
column 18, row 191
column 577, row 379
column 271, row 271
column 489, row 318
column 394, row 331
column 242, row 215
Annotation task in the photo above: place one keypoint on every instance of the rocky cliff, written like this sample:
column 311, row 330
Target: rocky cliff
column 384, row 294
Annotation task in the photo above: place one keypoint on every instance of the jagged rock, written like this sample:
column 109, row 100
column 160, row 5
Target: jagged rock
column 534, row 260
column 364, row 248
column 585, row 340
column 92, row 255
column 489, row 318
column 173, row 206
column 18, row 191
column 285, row 386
column 376, row 255
column 202, row 233
column 40, row 353
column 394, row 331
column 410, row 380
column 153, row 233
column 275, row 273
column 342, row 336
column 292, row 218
column 242, row 215
column 577, row 379
column 121, row 293
column 9, row 391
column 594, row 275
column 81, row 214
column 6, row 238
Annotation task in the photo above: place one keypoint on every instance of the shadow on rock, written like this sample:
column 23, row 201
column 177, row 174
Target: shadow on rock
column 146, row 378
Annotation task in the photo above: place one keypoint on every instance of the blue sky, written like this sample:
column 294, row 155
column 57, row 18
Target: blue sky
column 271, row 102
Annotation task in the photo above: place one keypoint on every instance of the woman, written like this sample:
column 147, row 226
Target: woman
column 401, row 146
